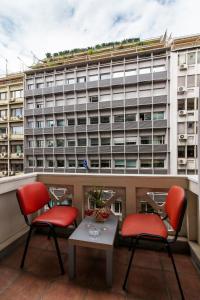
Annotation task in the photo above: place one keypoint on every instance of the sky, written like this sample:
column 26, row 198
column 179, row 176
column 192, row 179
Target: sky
column 35, row 27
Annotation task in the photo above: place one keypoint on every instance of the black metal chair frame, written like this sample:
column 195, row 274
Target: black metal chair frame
column 51, row 230
column 159, row 239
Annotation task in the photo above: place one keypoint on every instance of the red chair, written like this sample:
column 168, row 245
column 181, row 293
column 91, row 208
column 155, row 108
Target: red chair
column 151, row 227
column 34, row 196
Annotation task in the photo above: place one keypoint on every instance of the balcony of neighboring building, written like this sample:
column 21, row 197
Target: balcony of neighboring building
column 151, row 277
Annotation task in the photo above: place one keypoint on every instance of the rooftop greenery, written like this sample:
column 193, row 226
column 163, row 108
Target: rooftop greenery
column 91, row 50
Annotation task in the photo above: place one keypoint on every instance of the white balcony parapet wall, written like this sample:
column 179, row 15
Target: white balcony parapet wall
column 12, row 225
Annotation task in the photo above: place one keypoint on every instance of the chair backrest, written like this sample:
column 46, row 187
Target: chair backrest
column 32, row 197
column 175, row 207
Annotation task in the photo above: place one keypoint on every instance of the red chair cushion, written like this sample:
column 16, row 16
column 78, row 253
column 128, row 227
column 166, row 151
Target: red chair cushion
column 32, row 197
column 61, row 216
column 174, row 205
column 136, row 224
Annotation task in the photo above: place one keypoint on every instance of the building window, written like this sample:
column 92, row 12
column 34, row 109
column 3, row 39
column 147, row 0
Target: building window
column 191, row 57
column 158, row 139
column 93, row 77
column 146, row 140
column 50, row 83
column 3, row 113
column 190, row 151
column 30, row 86
column 71, row 163
column 105, row 119
column 93, row 99
column 71, row 143
column 50, row 103
column 39, row 124
column 105, row 163
column 130, row 163
column 190, row 81
column 159, row 69
column 80, row 163
column 60, row 163
column 94, row 142
column 181, row 104
column 71, row 122
column 60, row 122
column 50, row 123
column 81, row 121
column 118, row 74
column 31, row 143
column 158, row 115
column 3, row 96
column 59, row 102
column 81, row 79
column 105, row 76
column 17, row 130
column 198, row 57
column 81, row 142
column 94, row 120
column 94, row 163
column 105, row 141
column 59, row 82
column 70, row 81
column 130, row 117
column 30, row 105
column 131, row 140
column 39, row 163
column 181, row 151
column 40, row 143
column 144, row 71
column 158, row 163
column 50, row 143
column 145, row 163
column 118, row 141
column 190, row 104
column 145, row 116
column 31, row 163
column 119, row 118
column 16, row 94
column 119, row 163
column 50, row 163
column 190, row 127
column 39, row 85
column 130, row 72
column 39, row 104
column 60, row 143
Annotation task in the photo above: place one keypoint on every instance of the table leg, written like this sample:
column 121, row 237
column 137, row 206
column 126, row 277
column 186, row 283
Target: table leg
column 109, row 267
column 72, row 261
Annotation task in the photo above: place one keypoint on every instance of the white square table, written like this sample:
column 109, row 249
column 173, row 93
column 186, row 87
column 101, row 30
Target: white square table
column 105, row 241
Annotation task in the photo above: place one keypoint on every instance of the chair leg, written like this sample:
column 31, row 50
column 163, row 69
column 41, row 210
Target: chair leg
column 175, row 270
column 130, row 262
column 26, row 247
column 58, row 251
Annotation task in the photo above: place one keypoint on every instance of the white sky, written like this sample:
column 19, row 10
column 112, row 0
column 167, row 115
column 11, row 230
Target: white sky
column 45, row 26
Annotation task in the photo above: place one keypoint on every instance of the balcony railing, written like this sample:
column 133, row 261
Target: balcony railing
column 131, row 190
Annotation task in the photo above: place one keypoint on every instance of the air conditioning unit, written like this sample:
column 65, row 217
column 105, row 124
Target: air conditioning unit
column 181, row 89
column 182, row 161
column 19, row 117
column 3, row 154
column 182, row 136
column 12, row 173
column 182, row 112
column 4, row 173
column 183, row 67
column 4, row 118
column 19, row 154
column 12, row 99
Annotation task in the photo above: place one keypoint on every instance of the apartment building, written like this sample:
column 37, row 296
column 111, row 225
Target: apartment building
column 11, row 125
column 185, row 66
column 107, row 112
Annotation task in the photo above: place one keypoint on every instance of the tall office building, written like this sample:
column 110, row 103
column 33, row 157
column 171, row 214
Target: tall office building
column 114, row 110
column 11, row 125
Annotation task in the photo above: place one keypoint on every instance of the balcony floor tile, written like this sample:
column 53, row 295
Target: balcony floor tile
column 151, row 277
